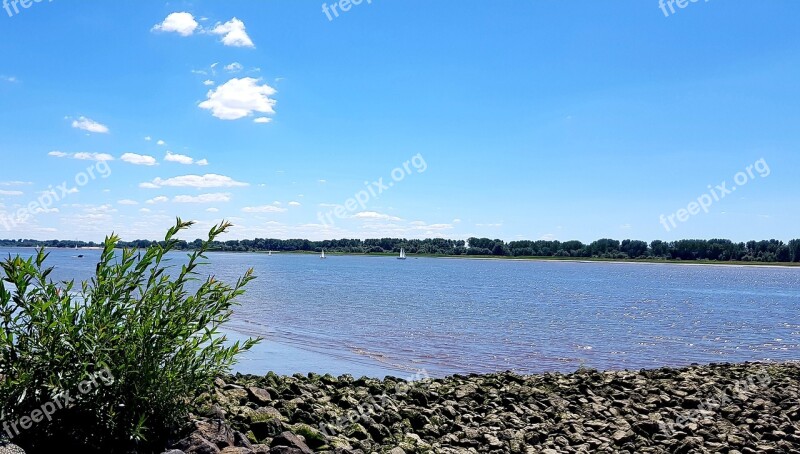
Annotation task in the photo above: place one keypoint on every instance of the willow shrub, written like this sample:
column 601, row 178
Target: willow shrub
column 144, row 342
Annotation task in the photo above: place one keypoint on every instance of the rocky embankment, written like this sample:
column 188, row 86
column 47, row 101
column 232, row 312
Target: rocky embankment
column 746, row 408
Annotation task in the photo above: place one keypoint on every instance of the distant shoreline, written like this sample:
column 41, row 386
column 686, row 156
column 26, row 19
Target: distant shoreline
column 534, row 259
column 493, row 257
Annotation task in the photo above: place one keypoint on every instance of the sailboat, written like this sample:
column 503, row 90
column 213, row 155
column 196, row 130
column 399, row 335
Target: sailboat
column 402, row 254
column 323, row 254
column 270, row 253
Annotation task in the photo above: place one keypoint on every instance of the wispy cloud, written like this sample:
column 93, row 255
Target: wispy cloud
column 83, row 156
column 194, row 181
column 375, row 216
column 264, row 209
column 203, row 198
column 87, row 124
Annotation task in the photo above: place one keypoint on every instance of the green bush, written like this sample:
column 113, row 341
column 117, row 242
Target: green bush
column 147, row 343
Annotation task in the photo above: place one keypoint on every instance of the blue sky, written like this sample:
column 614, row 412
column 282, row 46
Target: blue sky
column 528, row 119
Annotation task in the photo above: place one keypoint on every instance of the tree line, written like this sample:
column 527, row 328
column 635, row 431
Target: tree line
column 715, row 249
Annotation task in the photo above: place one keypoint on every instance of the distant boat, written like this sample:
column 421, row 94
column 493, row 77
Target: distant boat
column 270, row 253
column 80, row 256
column 402, row 254
column 322, row 256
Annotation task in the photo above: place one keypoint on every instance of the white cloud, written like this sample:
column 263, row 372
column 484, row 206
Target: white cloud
column 159, row 199
column 234, row 67
column 180, row 23
column 179, row 158
column 9, row 79
column 83, row 156
column 264, row 209
column 234, row 33
column 373, row 215
column 238, row 98
column 208, row 83
column 161, row 142
column 148, row 139
column 212, row 210
column 93, row 156
column 144, row 210
column 294, row 204
column 203, row 198
column 202, row 162
column 15, row 183
column 262, row 120
column 127, row 202
column 14, row 193
column 322, row 181
column 138, row 159
column 209, row 180
column 90, row 125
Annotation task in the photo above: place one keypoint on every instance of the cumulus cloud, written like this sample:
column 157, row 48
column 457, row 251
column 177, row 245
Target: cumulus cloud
column 87, row 124
column 161, row 143
column 238, row 98
column 294, row 204
column 208, row 83
column 233, row 33
column 202, row 162
column 179, row 158
column 264, row 209
column 183, row 24
column 138, row 159
column 262, row 120
column 375, row 216
column 209, row 180
column 203, row 198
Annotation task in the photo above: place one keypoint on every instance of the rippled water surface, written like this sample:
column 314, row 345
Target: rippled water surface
column 378, row 315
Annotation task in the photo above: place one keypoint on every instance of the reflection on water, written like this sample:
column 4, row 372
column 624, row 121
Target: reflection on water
column 378, row 315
